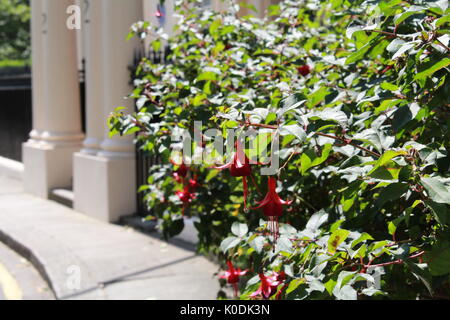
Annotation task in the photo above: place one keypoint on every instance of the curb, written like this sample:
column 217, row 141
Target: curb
column 11, row 168
column 23, row 251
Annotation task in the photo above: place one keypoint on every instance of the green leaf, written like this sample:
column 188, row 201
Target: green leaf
column 392, row 192
column 406, row 14
column 435, row 67
column 214, row 26
column 208, row 75
column 258, row 243
column 393, row 225
column 364, row 236
column 439, row 210
column 284, row 244
column 405, row 114
column 229, row 243
column 294, row 284
column 309, row 159
column 419, row 271
column 329, row 285
column 290, row 103
column 343, row 289
column 389, row 86
column 438, row 259
column 387, row 156
column 293, row 129
column 346, row 293
column 336, row 238
column 156, row 45
column 175, row 227
column 437, row 191
column 358, row 55
column 353, row 29
column 377, row 138
column 239, row 229
column 316, row 220
column 395, row 44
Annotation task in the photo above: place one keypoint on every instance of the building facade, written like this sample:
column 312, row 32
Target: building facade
column 58, row 155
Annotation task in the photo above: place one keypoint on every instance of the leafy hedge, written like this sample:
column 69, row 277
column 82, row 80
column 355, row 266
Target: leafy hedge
column 358, row 94
column 15, row 43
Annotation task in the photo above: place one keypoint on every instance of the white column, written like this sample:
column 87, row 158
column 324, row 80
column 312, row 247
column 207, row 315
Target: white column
column 48, row 164
column 37, row 56
column 62, row 106
column 92, row 40
column 118, row 57
column 105, row 183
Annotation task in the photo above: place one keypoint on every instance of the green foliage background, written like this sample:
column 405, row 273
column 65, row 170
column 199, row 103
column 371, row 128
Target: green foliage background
column 364, row 141
column 15, row 43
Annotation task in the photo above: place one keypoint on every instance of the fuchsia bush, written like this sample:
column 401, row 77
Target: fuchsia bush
column 357, row 95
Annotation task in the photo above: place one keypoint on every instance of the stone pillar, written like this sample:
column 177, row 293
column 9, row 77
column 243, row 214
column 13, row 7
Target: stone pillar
column 48, row 164
column 105, row 182
column 93, row 55
column 38, row 95
column 62, row 92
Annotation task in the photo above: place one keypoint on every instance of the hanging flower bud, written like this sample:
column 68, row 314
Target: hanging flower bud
column 240, row 164
column 193, row 183
column 272, row 206
column 232, row 275
column 304, row 70
column 239, row 167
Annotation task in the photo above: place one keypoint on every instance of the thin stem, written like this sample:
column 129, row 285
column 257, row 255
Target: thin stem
column 398, row 242
column 390, row 34
column 399, row 261
column 442, row 45
column 289, row 159
column 255, row 184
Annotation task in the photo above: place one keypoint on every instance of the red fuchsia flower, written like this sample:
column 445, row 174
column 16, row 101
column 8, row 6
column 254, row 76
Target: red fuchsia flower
column 268, row 286
column 280, row 276
column 181, row 172
column 232, row 275
column 193, row 183
column 239, row 167
column 304, row 70
column 185, row 197
column 177, row 177
column 272, row 206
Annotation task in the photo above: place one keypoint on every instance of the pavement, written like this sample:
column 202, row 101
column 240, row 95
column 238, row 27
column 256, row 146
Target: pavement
column 82, row 258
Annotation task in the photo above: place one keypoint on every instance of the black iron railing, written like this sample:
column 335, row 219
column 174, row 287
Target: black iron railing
column 16, row 109
column 144, row 161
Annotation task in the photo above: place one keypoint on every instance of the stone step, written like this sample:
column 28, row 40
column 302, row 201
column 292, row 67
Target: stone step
column 62, row 196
